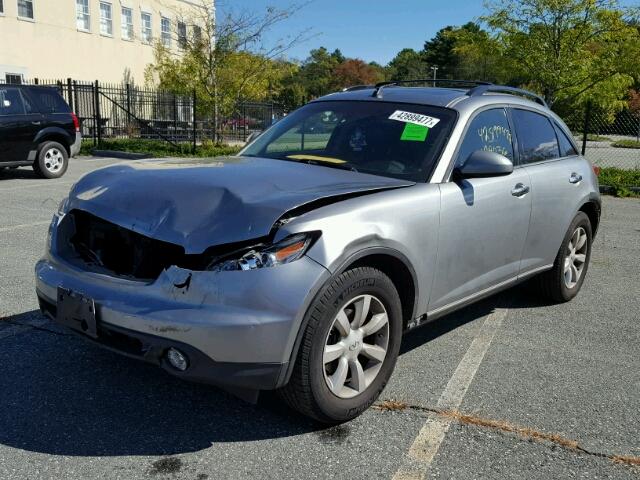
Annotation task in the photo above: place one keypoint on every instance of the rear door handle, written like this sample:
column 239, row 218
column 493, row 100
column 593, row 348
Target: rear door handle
column 575, row 178
column 520, row 190
column 36, row 123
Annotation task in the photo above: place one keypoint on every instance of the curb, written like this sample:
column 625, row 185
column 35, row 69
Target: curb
column 119, row 154
column 612, row 190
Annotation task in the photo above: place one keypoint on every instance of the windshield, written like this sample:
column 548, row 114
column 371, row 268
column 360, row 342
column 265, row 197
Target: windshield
column 390, row 139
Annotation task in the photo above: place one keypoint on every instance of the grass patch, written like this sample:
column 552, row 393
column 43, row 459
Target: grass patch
column 592, row 137
column 626, row 143
column 620, row 180
column 158, row 148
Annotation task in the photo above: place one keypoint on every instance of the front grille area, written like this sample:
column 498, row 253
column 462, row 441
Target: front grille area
column 105, row 246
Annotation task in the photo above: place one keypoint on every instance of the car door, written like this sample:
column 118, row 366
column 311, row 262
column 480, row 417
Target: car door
column 18, row 127
column 483, row 221
column 556, row 170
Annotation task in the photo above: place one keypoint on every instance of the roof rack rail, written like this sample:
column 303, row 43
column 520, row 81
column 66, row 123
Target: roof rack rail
column 482, row 89
column 379, row 86
column 353, row 88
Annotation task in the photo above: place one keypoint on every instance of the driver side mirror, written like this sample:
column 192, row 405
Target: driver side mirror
column 483, row 163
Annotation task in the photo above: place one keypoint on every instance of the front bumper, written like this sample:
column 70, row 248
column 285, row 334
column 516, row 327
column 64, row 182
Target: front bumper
column 238, row 328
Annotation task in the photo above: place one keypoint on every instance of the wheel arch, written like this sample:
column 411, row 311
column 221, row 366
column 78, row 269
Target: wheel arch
column 592, row 209
column 392, row 263
column 54, row 135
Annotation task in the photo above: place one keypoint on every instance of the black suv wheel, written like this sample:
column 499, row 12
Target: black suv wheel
column 52, row 161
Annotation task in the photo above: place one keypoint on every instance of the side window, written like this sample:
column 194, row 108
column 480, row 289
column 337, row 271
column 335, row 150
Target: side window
column 488, row 131
column 536, row 137
column 313, row 134
column 11, row 102
column 50, row 101
column 28, row 106
column 566, row 147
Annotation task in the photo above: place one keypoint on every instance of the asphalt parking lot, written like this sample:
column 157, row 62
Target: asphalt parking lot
column 508, row 388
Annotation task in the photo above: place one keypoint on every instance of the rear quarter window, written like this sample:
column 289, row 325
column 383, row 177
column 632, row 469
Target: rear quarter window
column 566, row 147
column 11, row 102
column 50, row 101
column 536, row 137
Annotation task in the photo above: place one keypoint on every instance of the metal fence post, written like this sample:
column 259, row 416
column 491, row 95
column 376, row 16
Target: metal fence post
column 128, row 107
column 70, row 94
column 587, row 121
column 96, row 93
column 175, row 117
column 193, row 103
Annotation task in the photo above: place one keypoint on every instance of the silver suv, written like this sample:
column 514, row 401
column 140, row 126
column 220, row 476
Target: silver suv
column 298, row 264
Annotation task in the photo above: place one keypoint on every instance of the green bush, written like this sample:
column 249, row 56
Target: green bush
column 159, row 148
column 620, row 180
column 626, row 143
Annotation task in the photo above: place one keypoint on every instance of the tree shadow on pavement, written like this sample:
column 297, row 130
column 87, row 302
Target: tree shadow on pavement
column 62, row 395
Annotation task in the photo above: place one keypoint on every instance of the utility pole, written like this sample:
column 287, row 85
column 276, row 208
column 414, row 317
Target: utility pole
column 435, row 69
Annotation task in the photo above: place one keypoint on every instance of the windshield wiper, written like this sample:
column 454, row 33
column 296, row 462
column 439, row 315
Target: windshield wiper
column 340, row 166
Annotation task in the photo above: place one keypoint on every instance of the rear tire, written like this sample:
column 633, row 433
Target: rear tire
column 348, row 349
column 52, row 161
column 564, row 280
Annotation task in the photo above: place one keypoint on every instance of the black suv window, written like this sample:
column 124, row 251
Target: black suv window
column 50, row 101
column 536, row 137
column 11, row 101
column 566, row 147
column 488, row 131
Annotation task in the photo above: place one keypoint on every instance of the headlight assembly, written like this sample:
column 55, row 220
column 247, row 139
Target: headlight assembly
column 287, row 250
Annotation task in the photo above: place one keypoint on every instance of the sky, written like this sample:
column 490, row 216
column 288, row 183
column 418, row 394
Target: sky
column 373, row 30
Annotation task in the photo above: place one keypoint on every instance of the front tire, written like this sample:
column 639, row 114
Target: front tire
column 52, row 161
column 564, row 280
column 349, row 347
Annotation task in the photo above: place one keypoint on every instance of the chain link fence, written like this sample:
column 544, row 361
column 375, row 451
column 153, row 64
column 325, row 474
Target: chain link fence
column 607, row 140
column 123, row 111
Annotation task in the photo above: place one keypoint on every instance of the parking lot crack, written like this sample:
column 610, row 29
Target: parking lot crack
column 504, row 427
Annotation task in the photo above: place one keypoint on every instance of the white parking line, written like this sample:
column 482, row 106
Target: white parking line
column 45, row 183
column 24, row 225
column 426, row 445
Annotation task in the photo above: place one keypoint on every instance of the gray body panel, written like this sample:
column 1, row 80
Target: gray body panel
column 461, row 239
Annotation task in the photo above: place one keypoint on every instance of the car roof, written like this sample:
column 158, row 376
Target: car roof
column 455, row 98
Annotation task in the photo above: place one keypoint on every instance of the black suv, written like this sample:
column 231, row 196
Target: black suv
column 37, row 128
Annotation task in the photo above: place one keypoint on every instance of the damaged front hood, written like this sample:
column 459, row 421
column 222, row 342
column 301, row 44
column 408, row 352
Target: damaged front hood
column 205, row 202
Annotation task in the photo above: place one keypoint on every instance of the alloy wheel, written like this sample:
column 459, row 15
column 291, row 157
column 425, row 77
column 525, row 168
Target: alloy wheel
column 576, row 257
column 53, row 160
column 356, row 346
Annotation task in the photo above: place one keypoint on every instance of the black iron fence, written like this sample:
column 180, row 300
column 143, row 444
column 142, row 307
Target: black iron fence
column 123, row 111
column 607, row 140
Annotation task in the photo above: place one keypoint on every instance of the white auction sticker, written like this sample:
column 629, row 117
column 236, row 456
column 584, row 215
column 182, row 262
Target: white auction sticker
column 416, row 118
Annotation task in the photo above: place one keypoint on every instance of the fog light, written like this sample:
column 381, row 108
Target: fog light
column 177, row 359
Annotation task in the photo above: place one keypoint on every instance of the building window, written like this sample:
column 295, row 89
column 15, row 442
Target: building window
column 106, row 20
column 182, row 34
column 1, row 7
column 25, row 9
column 165, row 25
column 126, row 23
column 13, row 78
column 147, row 32
column 83, row 18
column 197, row 34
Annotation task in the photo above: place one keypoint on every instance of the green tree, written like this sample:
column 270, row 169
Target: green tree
column 440, row 51
column 571, row 51
column 227, row 61
column 406, row 65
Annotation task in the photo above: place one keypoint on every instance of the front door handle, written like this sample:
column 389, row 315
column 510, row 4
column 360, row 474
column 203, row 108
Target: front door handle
column 520, row 190
column 575, row 178
column 36, row 122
